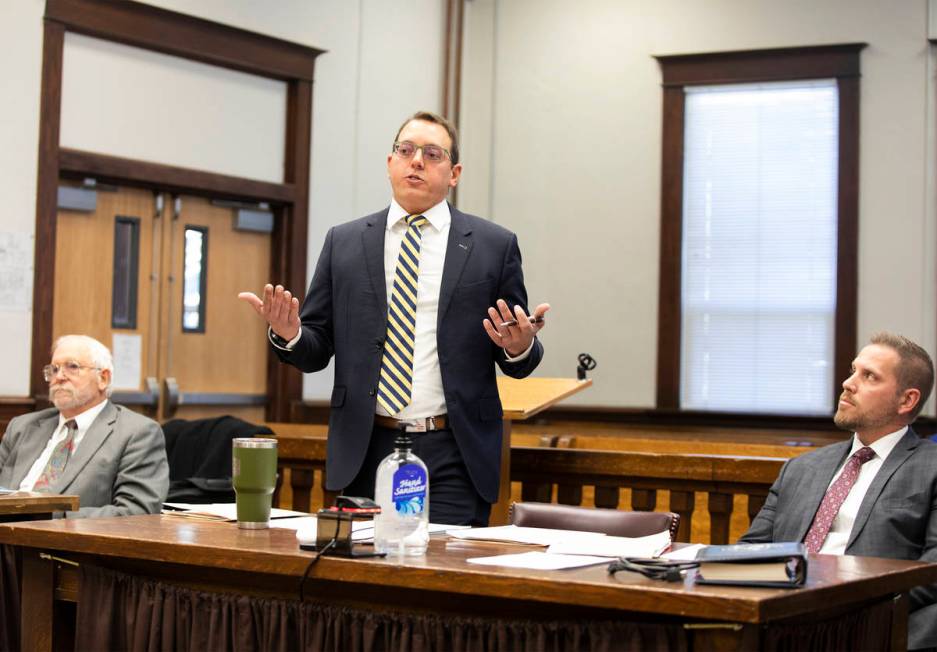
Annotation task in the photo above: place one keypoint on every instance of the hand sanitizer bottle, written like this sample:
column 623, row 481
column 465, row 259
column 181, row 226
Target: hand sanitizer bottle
column 402, row 490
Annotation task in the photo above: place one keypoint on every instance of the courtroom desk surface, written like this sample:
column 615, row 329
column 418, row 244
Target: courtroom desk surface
column 831, row 580
column 29, row 502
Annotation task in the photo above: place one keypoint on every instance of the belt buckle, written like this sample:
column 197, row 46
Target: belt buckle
column 416, row 425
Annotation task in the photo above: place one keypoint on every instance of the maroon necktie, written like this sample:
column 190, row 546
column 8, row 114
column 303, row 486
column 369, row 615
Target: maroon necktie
column 834, row 498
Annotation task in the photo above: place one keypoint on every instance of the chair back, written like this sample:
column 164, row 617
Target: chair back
column 614, row 522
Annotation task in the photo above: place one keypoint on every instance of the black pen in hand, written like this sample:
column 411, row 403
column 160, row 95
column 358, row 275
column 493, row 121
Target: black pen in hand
column 513, row 322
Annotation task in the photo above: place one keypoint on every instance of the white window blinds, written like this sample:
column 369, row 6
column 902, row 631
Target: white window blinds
column 759, row 247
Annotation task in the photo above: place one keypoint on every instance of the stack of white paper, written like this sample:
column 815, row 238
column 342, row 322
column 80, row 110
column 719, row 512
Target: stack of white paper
column 566, row 548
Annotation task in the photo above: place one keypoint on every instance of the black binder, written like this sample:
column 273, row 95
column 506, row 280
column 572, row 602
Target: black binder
column 782, row 565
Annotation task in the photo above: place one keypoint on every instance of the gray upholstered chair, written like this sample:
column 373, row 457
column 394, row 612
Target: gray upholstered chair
column 614, row 522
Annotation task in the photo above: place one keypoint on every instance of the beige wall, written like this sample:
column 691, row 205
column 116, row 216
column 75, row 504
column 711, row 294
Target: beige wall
column 587, row 211
column 361, row 94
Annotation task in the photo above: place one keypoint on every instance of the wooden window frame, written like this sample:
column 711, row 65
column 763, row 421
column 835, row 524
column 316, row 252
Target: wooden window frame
column 839, row 61
column 180, row 35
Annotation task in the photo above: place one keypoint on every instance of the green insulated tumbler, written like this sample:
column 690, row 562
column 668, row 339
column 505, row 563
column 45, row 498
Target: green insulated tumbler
column 254, row 476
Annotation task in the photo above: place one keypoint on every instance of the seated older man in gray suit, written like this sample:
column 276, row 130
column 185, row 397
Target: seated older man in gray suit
column 112, row 458
column 874, row 494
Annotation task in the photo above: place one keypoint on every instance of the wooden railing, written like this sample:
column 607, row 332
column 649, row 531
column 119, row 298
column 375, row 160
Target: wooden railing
column 543, row 472
column 569, row 476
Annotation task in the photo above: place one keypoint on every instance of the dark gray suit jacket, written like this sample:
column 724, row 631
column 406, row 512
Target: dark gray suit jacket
column 897, row 517
column 345, row 314
column 119, row 469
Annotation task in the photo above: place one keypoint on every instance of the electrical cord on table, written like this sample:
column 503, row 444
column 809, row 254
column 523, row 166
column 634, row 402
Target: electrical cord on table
column 656, row 569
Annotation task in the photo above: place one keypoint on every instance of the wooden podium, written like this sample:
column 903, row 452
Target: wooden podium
column 521, row 399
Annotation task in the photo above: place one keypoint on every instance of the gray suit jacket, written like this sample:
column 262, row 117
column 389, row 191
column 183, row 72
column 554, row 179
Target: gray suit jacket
column 119, row 469
column 897, row 517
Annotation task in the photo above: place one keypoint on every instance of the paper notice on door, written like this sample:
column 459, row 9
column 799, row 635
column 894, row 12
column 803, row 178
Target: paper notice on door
column 16, row 271
column 128, row 357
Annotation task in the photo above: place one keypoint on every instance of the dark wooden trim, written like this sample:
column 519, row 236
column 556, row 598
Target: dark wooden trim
column 14, row 406
column 185, row 36
column 669, row 306
column 170, row 178
column 847, row 252
column 813, row 62
column 47, row 183
column 839, row 61
column 290, row 242
column 309, row 412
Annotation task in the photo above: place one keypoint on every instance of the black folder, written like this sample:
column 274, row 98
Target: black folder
column 782, row 565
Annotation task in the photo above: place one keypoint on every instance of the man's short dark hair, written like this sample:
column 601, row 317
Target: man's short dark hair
column 915, row 367
column 429, row 116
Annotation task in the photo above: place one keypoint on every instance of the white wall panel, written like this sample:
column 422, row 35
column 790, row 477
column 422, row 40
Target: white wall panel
column 138, row 104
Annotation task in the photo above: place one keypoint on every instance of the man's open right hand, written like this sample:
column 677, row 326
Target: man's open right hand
column 278, row 307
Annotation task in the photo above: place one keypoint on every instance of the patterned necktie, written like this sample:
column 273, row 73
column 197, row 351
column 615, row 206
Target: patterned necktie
column 834, row 498
column 395, row 384
column 57, row 461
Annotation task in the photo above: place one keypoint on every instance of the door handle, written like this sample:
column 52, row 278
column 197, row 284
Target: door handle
column 147, row 398
column 171, row 391
column 175, row 398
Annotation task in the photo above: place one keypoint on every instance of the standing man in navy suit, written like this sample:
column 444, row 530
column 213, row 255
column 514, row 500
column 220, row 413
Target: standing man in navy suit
column 470, row 315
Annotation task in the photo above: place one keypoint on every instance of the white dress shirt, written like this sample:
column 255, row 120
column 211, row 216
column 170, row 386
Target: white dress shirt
column 838, row 537
column 83, row 420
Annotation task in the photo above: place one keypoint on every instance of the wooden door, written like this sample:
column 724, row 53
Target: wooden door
column 213, row 352
column 156, row 278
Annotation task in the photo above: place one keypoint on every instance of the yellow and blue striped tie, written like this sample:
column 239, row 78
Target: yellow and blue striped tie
column 395, row 386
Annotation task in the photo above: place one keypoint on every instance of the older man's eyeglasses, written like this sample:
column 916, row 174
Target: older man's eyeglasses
column 431, row 153
column 71, row 369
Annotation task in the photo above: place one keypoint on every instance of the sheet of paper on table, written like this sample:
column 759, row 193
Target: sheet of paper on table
column 538, row 560
column 538, row 536
column 608, row 546
column 219, row 511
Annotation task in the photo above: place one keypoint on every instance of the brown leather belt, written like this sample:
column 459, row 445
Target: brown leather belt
column 428, row 424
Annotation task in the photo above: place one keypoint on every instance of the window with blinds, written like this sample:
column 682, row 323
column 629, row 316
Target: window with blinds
column 759, row 247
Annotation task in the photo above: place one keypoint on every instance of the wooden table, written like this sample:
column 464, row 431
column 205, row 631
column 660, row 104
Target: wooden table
column 28, row 505
column 213, row 556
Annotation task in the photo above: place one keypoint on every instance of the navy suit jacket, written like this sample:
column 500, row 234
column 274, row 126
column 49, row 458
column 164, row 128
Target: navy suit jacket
column 897, row 517
column 345, row 315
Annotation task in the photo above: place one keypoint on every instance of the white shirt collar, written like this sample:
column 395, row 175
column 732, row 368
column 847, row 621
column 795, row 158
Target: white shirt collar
column 881, row 446
column 86, row 418
column 438, row 216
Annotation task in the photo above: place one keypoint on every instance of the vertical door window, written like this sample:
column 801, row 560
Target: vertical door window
column 194, row 275
column 126, row 266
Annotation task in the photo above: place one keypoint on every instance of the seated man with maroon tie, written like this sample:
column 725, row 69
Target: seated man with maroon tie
column 874, row 494
column 113, row 459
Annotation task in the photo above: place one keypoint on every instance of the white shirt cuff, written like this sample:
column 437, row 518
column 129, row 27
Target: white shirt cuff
column 522, row 356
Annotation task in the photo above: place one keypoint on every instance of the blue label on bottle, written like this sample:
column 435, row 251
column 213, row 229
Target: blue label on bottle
column 408, row 490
